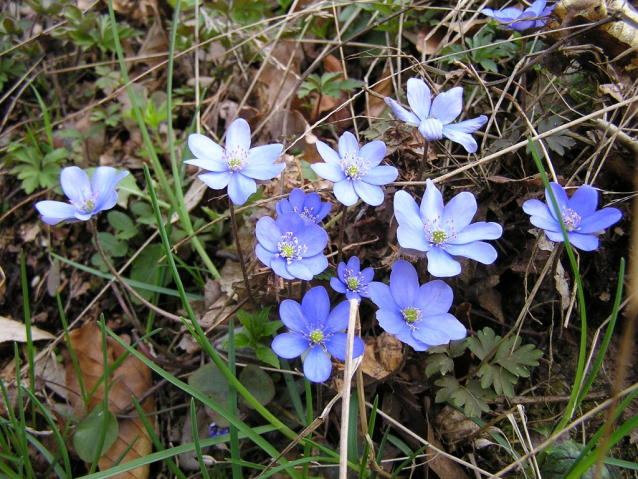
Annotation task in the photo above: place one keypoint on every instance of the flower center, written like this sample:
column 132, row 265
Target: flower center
column 289, row 248
column 353, row 283
column 307, row 213
column 571, row 219
column 87, row 205
column 411, row 315
column 438, row 234
column 316, row 336
column 236, row 159
column 354, row 167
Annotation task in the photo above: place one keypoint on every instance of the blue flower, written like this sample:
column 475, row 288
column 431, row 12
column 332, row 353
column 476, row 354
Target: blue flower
column 579, row 215
column 313, row 326
column 290, row 247
column 237, row 166
column 417, row 315
column 86, row 198
column 441, row 231
column 309, row 207
column 351, row 280
column 434, row 118
column 355, row 172
column 514, row 18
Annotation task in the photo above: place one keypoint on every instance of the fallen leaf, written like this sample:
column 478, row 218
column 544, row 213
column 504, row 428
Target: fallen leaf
column 131, row 378
column 382, row 356
column 444, row 467
column 11, row 330
column 376, row 104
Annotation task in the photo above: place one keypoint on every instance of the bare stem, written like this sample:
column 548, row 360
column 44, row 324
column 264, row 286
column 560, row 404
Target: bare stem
column 424, row 160
column 233, row 220
column 125, row 285
column 342, row 229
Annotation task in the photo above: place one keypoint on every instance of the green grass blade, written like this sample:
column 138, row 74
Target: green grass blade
column 198, row 447
column 232, row 403
column 27, row 325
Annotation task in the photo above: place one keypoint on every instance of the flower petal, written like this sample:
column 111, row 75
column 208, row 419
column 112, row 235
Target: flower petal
column 431, row 129
column 419, row 97
column 429, row 336
column 354, row 264
column 102, row 179
column 459, row 211
column 338, row 319
column 338, row 346
column 441, row 264
column 478, row 231
column 238, row 136
column 344, row 191
column 583, row 242
column 381, row 295
column 381, row 175
column 215, row 180
column 412, row 239
column 209, row 165
column 263, row 172
column 440, row 329
column 240, row 187
column 205, row 150
column 561, row 199
column 370, row 194
column 54, row 211
column 316, row 264
column 317, row 365
column 391, row 321
column 584, row 201
column 329, row 155
column 280, row 268
column 448, row 105
column 265, row 154
column 404, row 284
column 478, row 250
column 299, row 269
column 373, row 153
column 407, row 211
column 538, row 208
column 431, row 204
column 458, row 134
column 314, row 238
column 338, row 285
column 292, row 315
column 599, row 220
column 323, row 212
column 297, row 198
column 367, row 275
column 348, row 145
column 268, row 233
column 329, row 172
column 316, row 306
column 401, row 113
column 75, row 184
column 435, row 297
column 408, row 338
column 289, row 346
column 264, row 255
column 537, row 7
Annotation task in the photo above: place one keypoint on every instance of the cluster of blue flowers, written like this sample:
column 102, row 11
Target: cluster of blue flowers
column 293, row 244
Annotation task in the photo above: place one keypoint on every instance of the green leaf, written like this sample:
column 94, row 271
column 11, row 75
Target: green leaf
column 484, row 343
column 270, row 328
column 516, row 360
column 561, row 458
column 471, row 397
column 449, row 386
column 110, row 244
column 307, row 172
column 500, row 378
column 241, row 340
column 124, row 225
column 246, row 319
column 265, row 354
column 88, row 432
column 145, row 269
column 438, row 363
column 258, row 382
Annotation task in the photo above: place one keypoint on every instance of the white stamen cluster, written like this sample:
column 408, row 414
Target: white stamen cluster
column 354, row 282
column 412, row 316
column 235, row 159
column 354, row 167
column 307, row 213
column 289, row 248
column 87, row 205
column 571, row 219
column 437, row 234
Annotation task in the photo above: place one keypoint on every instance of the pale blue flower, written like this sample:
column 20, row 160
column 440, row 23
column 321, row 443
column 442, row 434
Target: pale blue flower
column 442, row 232
column 309, row 206
column 579, row 215
column 315, row 328
column 355, row 172
column 351, row 280
column 513, row 18
column 86, row 198
column 416, row 315
column 238, row 165
column 292, row 248
column 434, row 118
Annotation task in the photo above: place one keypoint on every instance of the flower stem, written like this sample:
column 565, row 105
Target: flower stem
column 342, row 229
column 125, row 285
column 424, row 160
column 233, row 219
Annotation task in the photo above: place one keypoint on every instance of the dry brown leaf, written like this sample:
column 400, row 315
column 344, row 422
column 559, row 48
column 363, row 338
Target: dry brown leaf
column 443, row 466
column 382, row 356
column 154, row 50
column 11, row 330
column 131, row 378
column 376, row 105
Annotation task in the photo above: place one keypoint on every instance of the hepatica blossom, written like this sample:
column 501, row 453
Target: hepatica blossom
column 314, row 328
column 355, row 172
column 417, row 315
column 238, row 165
column 86, row 198
column 292, row 248
column 444, row 231
column 512, row 18
column 351, row 280
column 434, row 118
column 309, row 206
column 579, row 215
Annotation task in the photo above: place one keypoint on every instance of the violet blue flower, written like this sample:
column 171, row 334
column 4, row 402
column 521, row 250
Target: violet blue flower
column 417, row 315
column 513, row 18
column 238, row 165
column 313, row 326
column 86, row 198
column 434, row 118
column 579, row 215
column 355, row 172
column 290, row 247
column 442, row 232
column 351, row 280
column 309, row 206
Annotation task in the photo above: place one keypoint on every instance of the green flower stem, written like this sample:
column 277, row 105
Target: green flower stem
column 233, row 219
column 424, row 160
